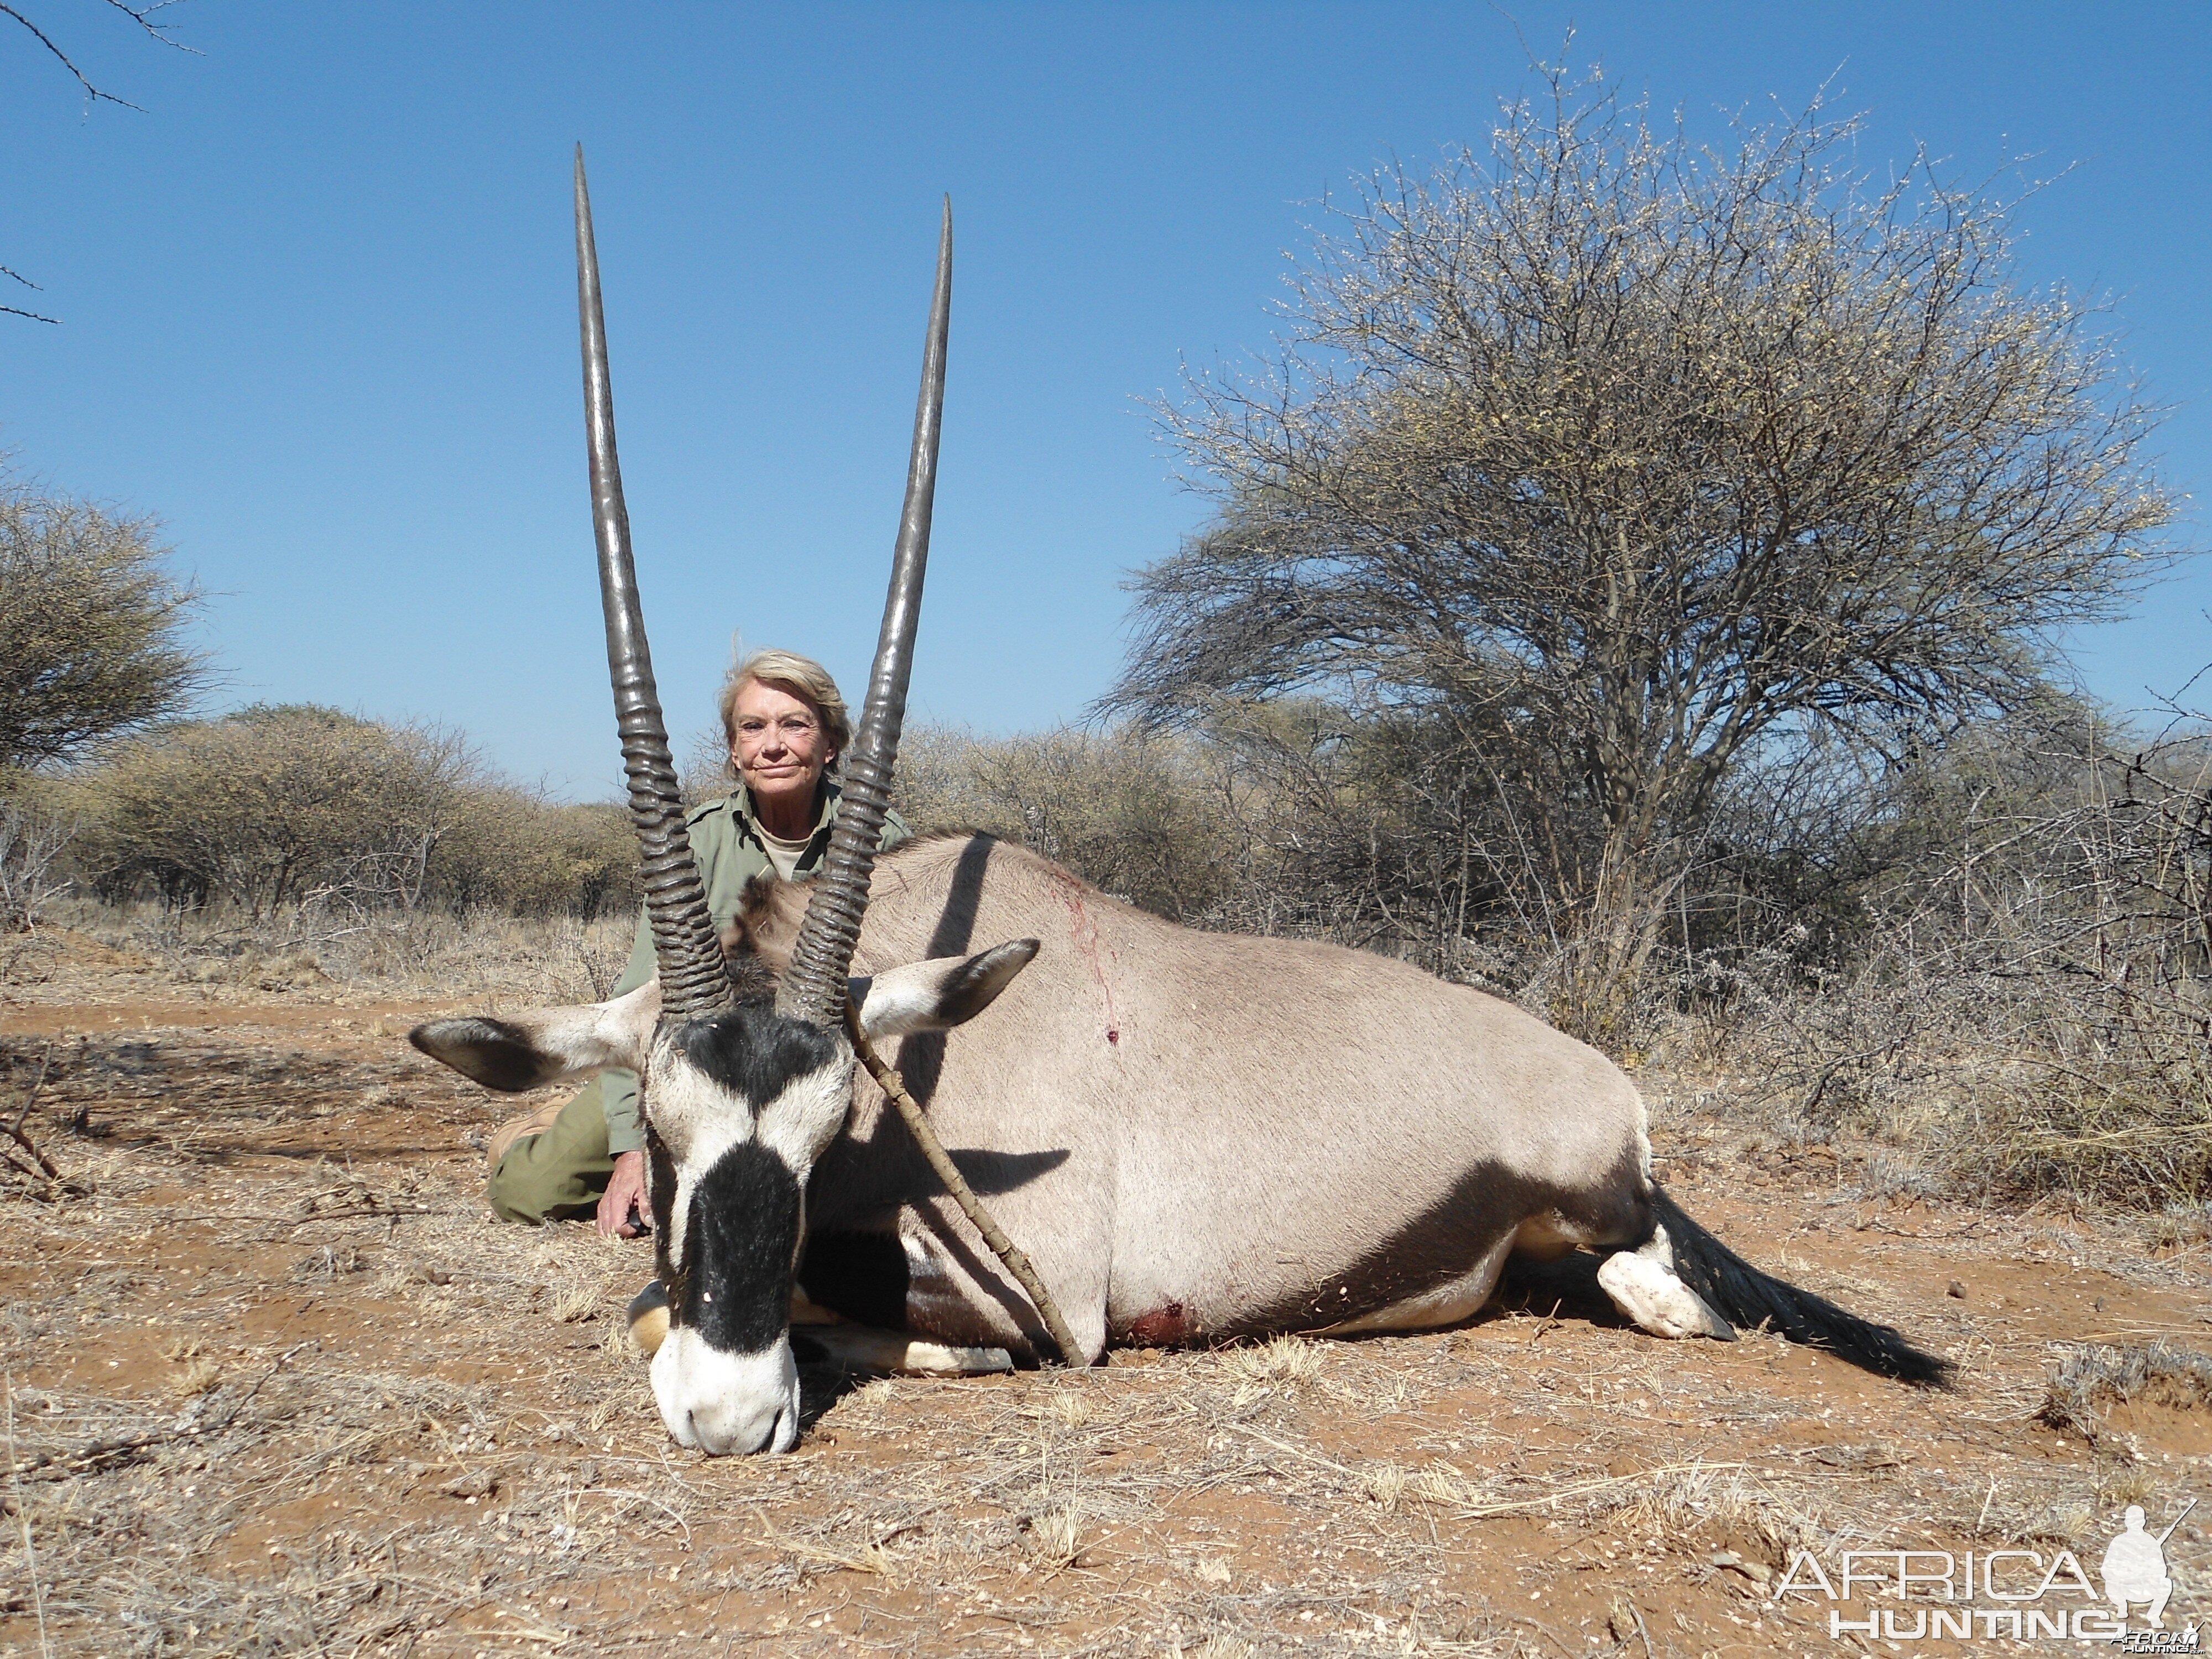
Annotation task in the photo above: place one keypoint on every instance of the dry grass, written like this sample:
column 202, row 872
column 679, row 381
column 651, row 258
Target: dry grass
column 388, row 953
column 1386, row 1484
column 1293, row 1359
column 442, row 1462
column 1056, row 1538
column 348, row 1415
column 2089, row 1380
column 2028, row 1012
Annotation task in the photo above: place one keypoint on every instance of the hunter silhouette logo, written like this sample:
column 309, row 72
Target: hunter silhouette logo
column 2011, row 1593
column 2135, row 1566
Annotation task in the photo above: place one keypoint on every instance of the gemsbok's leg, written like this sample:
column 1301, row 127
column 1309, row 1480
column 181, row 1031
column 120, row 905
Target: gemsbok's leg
column 864, row 1348
column 870, row 1348
column 858, row 1347
column 1645, row 1287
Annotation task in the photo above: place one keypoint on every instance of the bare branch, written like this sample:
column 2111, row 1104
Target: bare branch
column 93, row 95
column 12, row 311
column 144, row 16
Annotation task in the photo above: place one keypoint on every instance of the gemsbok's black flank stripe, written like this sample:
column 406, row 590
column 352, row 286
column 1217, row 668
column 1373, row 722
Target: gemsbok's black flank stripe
column 753, row 1054
column 1441, row 1242
column 738, row 1247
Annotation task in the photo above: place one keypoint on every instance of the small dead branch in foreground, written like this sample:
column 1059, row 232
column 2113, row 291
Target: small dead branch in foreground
column 101, row 1456
column 41, row 1171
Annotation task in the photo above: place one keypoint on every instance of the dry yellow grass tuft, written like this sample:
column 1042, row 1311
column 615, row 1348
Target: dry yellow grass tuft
column 2090, row 1378
column 198, row 1377
column 1067, row 1411
column 1440, row 1483
column 1385, row 1483
column 1056, row 1538
column 578, row 1299
column 1212, row 1569
column 1281, row 1359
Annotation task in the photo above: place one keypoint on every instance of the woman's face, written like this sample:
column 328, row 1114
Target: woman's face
column 779, row 748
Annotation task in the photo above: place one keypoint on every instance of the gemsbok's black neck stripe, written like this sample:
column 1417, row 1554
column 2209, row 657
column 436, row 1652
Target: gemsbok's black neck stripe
column 743, row 1235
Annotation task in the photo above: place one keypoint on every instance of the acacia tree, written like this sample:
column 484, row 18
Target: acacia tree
column 1624, row 460
column 91, row 627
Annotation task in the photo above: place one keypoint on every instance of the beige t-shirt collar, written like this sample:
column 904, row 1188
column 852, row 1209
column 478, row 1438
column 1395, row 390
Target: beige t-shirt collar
column 783, row 854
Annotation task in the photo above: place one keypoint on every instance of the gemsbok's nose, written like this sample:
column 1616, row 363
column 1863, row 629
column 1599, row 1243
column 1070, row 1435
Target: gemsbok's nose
column 723, row 1403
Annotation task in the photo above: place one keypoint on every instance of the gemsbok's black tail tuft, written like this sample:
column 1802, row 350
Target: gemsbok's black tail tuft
column 1741, row 1294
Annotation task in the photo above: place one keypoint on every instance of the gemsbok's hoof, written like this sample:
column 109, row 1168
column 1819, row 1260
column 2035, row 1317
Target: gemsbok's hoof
column 648, row 1318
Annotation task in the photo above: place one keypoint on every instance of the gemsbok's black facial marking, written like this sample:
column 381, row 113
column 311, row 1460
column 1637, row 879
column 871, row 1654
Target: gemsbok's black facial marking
column 488, row 1051
column 660, row 1190
column 752, row 1052
column 744, row 1228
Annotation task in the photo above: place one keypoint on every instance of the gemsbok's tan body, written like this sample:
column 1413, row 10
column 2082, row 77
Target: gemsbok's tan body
column 1200, row 1135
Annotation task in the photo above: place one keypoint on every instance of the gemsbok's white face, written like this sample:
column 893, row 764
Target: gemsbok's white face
column 743, row 1101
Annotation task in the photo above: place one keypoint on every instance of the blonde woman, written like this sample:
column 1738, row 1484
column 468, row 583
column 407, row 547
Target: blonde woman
column 785, row 725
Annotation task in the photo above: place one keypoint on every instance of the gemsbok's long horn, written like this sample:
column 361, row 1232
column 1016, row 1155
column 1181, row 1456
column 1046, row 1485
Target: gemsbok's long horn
column 694, row 979
column 814, row 987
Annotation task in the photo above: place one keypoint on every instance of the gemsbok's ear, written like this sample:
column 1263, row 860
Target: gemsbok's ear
column 546, row 1045
column 937, row 994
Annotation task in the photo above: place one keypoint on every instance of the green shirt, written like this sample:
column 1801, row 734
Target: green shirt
column 726, row 839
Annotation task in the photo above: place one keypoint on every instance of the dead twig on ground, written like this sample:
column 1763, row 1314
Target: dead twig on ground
column 46, row 1165
column 37, row 1082
column 46, row 1169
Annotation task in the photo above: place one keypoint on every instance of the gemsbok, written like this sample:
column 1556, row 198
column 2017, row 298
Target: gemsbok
column 1193, row 1136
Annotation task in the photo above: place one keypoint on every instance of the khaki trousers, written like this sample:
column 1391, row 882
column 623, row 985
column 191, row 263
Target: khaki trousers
column 553, row 1172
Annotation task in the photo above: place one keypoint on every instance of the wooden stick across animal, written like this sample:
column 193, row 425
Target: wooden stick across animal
column 1192, row 1136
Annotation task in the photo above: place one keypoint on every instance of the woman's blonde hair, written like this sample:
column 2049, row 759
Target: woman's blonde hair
column 804, row 679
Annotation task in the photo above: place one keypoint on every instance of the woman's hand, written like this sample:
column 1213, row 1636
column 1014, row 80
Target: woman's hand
column 624, row 1198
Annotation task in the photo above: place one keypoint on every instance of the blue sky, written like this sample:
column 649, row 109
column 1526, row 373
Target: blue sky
column 319, row 299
